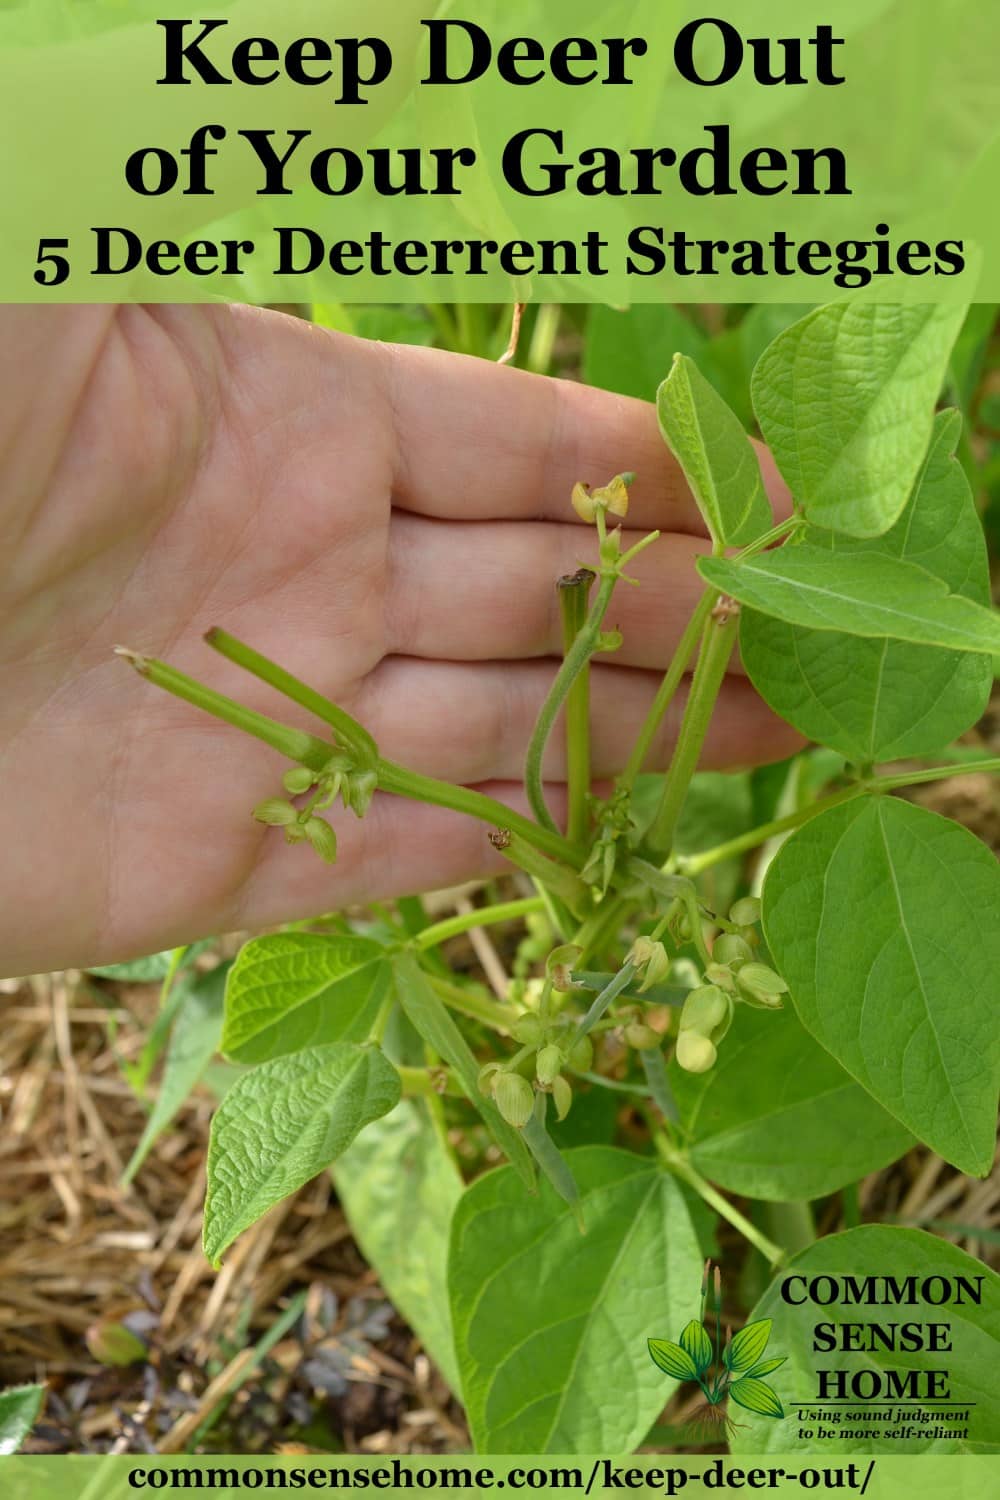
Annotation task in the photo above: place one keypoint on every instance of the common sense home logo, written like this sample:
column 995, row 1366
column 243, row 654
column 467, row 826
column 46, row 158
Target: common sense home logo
column 729, row 1370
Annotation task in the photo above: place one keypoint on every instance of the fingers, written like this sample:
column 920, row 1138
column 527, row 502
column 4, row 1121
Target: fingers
column 486, row 591
column 477, row 442
column 469, row 723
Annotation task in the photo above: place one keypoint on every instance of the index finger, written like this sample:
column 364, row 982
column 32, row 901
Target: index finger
column 478, row 441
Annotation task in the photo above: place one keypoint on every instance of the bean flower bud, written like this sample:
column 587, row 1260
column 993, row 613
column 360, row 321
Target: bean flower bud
column 548, row 1062
column 275, row 812
column 642, row 1037
column 722, row 976
column 323, row 839
column 527, row 1030
column 731, row 950
column 746, row 913
column 562, row 1096
column 559, row 967
column 695, row 1053
column 762, row 986
column 653, row 958
column 299, row 779
column 515, row 1098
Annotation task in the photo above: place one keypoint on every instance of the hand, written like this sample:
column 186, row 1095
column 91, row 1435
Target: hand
column 386, row 522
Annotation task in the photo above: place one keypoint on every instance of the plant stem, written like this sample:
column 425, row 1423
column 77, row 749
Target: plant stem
column 429, row 1083
column 620, row 982
column 776, row 534
column 668, row 688
column 404, row 783
column 477, row 1007
column 936, row 773
column 485, row 916
column 694, row 864
column 678, row 1163
column 350, row 731
column 296, row 744
column 717, row 648
column 573, row 663
column 574, row 592
column 791, row 1224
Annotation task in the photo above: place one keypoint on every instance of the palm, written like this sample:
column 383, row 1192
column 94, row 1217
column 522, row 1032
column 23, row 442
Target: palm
column 372, row 519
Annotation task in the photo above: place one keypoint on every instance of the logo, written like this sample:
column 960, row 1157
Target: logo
column 730, row 1371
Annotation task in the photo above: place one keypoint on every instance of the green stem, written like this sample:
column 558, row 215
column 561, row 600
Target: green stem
column 783, row 529
column 574, row 592
column 429, row 1083
column 485, row 916
column 717, row 648
column 678, row 1163
column 348, row 729
column 404, row 783
column 936, row 773
column 481, row 1008
column 668, row 688
column 296, row 744
column 694, row 864
column 573, row 663
column 620, row 982
column 792, row 1224
column 602, row 927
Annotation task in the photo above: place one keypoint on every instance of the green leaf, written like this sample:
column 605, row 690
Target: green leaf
column 283, row 1123
column 716, row 455
column 673, row 1359
column 149, row 970
column 193, row 1043
column 399, row 1186
column 868, row 1256
column 865, row 594
column 697, row 1343
column 747, row 1346
column 778, row 1118
column 19, row 1408
column 301, row 989
column 768, row 1366
column 882, row 918
column 548, row 1321
column 756, row 1396
column 883, row 700
column 845, row 400
column 428, row 1015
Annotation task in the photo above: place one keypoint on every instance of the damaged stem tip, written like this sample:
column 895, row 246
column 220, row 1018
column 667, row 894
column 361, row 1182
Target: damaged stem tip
column 134, row 658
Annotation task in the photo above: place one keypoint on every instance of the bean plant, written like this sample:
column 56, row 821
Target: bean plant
column 775, row 1042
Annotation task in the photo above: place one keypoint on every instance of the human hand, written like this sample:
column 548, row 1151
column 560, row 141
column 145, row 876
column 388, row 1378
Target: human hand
column 386, row 522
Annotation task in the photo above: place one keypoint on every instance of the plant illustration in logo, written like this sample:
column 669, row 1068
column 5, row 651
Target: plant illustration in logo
column 730, row 1371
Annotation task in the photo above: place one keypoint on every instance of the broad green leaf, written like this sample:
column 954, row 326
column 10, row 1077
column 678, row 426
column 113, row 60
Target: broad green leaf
column 673, row 1359
column 845, row 400
column 882, row 918
column 768, row 1366
column 428, row 1015
column 870, row 1256
column 756, row 1396
column 398, row 1186
column 697, row 1343
column 193, row 1043
column 865, row 594
column 302, row 989
column 548, row 1321
column 747, row 1346
column 19, row 1408
column 717, row 457
column 282, row 1124
column 628, row 351
column 878, row 700
column 778, row 1117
